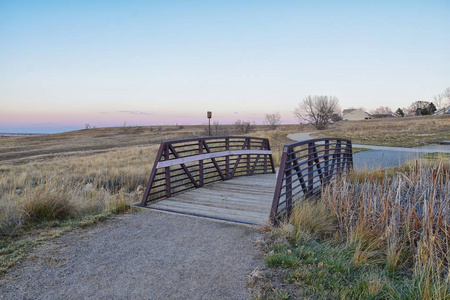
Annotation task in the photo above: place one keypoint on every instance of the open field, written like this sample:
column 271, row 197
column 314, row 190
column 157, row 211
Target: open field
column 22, row 149
column 398, row 132
column 51, row 183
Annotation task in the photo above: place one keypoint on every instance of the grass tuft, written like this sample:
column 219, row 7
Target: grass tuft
column 46, row 204
column 312, row 218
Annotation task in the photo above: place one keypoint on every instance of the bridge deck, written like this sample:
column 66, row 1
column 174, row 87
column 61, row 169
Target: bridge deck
column 245, row 199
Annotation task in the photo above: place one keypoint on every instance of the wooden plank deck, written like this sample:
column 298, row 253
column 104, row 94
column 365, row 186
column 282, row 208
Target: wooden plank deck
column 245, row 199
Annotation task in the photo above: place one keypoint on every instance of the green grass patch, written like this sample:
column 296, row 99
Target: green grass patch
column 328, row 271
column 13, row 251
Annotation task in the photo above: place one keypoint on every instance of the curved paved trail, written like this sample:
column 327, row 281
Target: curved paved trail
column 145, row 255
column 381, row 156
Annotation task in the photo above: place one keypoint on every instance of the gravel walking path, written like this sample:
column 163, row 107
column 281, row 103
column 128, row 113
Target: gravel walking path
column 145, row 255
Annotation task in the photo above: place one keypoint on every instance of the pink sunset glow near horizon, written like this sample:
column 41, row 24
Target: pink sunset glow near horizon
column 56, row 122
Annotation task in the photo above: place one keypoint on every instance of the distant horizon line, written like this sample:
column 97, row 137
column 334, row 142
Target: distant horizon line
column 102, row 127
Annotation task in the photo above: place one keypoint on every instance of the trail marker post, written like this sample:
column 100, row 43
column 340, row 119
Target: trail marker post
column 209, row 115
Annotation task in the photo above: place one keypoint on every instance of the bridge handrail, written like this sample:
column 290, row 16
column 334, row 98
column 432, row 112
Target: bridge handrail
column 191, row 163
column 305, row 167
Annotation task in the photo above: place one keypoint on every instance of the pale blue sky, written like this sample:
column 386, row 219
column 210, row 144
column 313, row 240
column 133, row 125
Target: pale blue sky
column 67, row 63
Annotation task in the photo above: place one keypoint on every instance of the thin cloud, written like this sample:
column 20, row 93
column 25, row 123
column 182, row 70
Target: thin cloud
column 134, row 112
column 45, row 124
column 131, row 112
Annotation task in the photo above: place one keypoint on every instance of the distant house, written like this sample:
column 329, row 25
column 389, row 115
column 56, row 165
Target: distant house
column 355, row 114
column 443, row 111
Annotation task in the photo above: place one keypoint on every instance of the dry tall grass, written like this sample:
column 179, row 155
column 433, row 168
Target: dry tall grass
column 403, row 220
column 71, row 187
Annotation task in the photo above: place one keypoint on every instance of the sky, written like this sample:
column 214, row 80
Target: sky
column 64, row 64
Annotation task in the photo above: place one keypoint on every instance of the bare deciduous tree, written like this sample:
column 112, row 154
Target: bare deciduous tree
column 438, row 99
column 317, row 110
column 418, row 107
column 217, row 129
column 220, row 129
column 443, row 99
column 243, row 126
column 446, row 95
column 273, row 120
column 382, row 110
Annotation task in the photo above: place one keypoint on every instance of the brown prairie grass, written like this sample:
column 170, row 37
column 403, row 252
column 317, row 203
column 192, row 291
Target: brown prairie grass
column 382, row 235
column 71, row 187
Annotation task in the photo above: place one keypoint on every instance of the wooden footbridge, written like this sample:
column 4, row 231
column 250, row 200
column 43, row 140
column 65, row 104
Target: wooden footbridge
column 233, row 178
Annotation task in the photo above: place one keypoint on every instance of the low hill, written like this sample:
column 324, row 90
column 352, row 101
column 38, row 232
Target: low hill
column 22, row 149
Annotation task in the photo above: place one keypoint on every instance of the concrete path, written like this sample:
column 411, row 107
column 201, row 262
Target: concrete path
column 300, row 136
column 145, row 255
column 381, row 156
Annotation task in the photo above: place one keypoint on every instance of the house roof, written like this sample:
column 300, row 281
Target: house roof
column 347, row 111
column 350, row 110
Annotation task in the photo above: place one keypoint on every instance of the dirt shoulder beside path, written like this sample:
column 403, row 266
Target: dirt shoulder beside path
column 145, row 255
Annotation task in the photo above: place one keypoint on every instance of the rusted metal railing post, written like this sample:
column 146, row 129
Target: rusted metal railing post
column 279, row 186
column 167, row 171
column 248, row 156
column 326, row 159
column 266, row 146
column 339, row 156
column 152, row 176
column 310, row 169
column 288, row 188
column 227, row 159
column 349, row 154
column 200, row 163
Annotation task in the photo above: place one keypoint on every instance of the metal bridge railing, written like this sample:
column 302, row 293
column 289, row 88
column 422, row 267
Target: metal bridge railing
column 305, row 167
column 191, row 163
